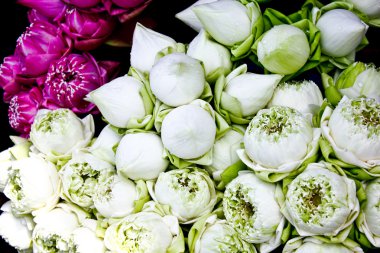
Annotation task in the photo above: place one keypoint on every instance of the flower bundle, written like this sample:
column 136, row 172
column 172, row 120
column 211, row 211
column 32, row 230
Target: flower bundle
column 52, row 65
column 216, row 145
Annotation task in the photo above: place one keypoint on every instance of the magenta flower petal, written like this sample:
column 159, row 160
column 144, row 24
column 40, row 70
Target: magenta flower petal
column 87, row 30
column 125, row 14
column 41, row 43
column 70, row 79
column 22, row 109
column 34, row 16
column 48, row 8
column 82, row 3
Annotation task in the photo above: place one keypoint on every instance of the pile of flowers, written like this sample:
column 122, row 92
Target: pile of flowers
column 52, row 66
column 217, row 145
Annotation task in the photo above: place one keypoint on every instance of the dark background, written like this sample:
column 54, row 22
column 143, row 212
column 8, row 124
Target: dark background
column 13, row 20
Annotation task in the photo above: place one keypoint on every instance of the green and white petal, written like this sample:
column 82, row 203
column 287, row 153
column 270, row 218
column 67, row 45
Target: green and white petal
column 85, row 240
column 146, row 232
column 80, row 177
column 189, row 193
column 251, row 208
column 353, row 131
column 319, row 201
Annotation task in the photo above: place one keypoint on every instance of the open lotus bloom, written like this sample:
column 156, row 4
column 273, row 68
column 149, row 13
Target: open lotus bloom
column 16, row 230
column 241, row 94
column 188, row 132
column 145, row 46
column 123, row 102
column 278, row 142
column 251, row 208
column 370, row 213
column 341, row 32
column 352, row 130
column 116, row 196
column 320, row 244
column 214, row 235
column 53, row 230
column 33, row 185
column 177, row 79
column 216, row 58
column 359, row 79
column 224, row 151
column 321, row 201
column 147, row 232
column 103, row 145
column 284, row 49
column 59, row 132
column 80, row 177
column 187, row 193
column 304, row 96
column 140, row 156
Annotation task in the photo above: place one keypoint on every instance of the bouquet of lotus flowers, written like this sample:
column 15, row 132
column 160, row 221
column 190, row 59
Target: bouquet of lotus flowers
column 256, row 130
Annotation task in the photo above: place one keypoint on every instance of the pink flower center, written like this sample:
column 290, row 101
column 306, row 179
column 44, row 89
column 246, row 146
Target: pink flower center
column 13, row 112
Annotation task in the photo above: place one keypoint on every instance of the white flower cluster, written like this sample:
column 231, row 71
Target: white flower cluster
column 201, row 154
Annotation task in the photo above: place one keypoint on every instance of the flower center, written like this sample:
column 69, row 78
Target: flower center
column 13, row 112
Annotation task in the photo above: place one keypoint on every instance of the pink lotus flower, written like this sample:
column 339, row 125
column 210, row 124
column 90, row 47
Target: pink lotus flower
column 48, row 8
column 125, row 10
column 22, row 109
column 39, row 46
column 71, row 78
column 82, row 3
column 87, row 30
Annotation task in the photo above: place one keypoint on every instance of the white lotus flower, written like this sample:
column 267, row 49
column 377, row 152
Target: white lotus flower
column 80, row 177
column 353, row 131
column 177, row 79
column 279, row 140
column 251, row 208
column 140, row 156
column 228, row 22
column 360, row 79
column 321, row 202
column 247, row 93
column 58, row 132
column 284, row 49
column 304, row 96
column 224, row 151
column 370, row 214
column 215, row 235
column 341, row 32
column 188, row 131
column 316, row 245
column 216, row 58
column 16, row 230
column 145, row 46
column 369, row 7
column 190, row 193
column 53, row 230
column 104, row 143
column 145, row 232
column 116, row 196
column 33, row 185
column 120, row 101
column 188, row 16
column 85, row 240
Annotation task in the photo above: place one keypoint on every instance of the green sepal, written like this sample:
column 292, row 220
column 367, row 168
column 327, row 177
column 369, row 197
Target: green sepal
column 318, row 116
column 178, row 48
column 230, row 173
column 348, row 77
column 20, row 150
column 143, row 196
column 196, row 231
column 331, row 92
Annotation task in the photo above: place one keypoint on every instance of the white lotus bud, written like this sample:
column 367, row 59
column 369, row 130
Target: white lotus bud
column 145, row 46
column 104, row 143
column 341, row 32
column 188, row 131
column 177, row 79
column 119, row 101
column 140, row 156
column 284, row 49
column 369, row 7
